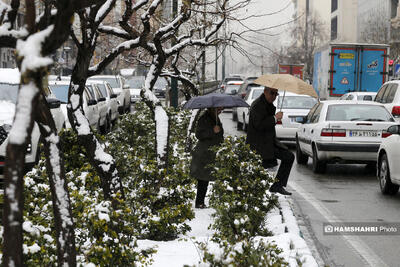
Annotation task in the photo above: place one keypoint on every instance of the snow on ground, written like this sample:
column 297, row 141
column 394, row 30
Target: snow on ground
column 184, row 250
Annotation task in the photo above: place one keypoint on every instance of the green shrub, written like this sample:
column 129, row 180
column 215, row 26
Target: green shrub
column 240, row 193
column 245, row 254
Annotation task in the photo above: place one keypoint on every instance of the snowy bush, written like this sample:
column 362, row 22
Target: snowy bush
column 240, row 193
column 246, row 253
column 160, row 197
column 241, row 201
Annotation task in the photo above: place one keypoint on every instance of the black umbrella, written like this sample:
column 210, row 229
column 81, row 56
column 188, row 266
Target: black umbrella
column 215, row 100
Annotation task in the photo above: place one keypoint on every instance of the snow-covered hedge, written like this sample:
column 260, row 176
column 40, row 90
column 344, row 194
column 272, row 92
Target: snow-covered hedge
column 241, row 201
column 157, row 204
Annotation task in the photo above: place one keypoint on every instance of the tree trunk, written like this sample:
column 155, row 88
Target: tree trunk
column 105, row 165
column 63, row 220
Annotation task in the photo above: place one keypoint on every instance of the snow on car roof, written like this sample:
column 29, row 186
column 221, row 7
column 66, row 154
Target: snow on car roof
column 11, row 76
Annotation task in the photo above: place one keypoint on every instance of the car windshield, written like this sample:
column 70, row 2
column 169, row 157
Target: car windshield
column 61, row 92
column 231, row 87
column 9, row 92
column 296, row 102
column 113, row 81
column 257, row 92
column 357, row 112
column 136, row 82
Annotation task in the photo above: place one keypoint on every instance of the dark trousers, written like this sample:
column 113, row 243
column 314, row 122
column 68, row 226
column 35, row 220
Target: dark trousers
column 201, row 192
column 287, row 159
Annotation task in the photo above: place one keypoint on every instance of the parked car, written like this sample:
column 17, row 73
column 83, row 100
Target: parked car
column 293, row 106
column 337, row 131
column 60, row 90
column 111, row 99
column 160, row 87
column 9, row 84
column 136, row 84
column 243, row 89
column 359, row 96
column 389, row 96
column 117, row 82
column 104, row 119
column 388, row 171
column 243, row 112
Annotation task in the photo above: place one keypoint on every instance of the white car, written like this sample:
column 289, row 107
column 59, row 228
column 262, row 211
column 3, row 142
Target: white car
column 117, row 82
column 388, row 171
column 293, row 106
column 111, row 99
column 359, row 96
column 243, row 112
column 389, row 96
column 9, row 84
column 60, row 90
column 136, row 84
column 104, row 120
column 336, row 131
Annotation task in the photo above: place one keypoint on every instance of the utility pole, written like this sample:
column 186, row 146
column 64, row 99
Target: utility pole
column 216, row 46
column 174, row 81
column 203, row 56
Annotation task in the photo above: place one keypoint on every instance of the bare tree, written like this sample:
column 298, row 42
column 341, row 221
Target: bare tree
column 41, row 37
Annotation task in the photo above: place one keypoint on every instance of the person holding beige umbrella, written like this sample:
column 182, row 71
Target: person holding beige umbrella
column 261, row 135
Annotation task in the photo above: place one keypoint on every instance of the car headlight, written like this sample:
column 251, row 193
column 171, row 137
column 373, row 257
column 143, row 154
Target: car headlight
column 4, row 130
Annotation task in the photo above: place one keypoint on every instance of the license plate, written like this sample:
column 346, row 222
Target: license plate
column 363, row 134
column 294, row 119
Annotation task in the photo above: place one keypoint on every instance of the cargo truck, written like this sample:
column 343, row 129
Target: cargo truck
column 342, row 68
column 294, row 69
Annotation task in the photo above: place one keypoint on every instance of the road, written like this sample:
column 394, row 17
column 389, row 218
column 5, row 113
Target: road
column 346, row 193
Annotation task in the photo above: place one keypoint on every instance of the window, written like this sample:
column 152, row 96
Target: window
column 317, row 113
column 391, row 94
column 357, row 112
column 333, row 5
column 380, row 94
column 334, row 28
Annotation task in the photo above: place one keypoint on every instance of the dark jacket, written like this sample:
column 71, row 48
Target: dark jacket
column 201, row 155
column 261, row 135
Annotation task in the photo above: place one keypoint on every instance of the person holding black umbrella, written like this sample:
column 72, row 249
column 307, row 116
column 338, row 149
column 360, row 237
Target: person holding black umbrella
column 261, row 137
column 210, row 133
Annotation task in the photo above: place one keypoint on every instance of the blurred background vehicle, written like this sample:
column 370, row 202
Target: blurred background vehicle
column 243, row 90
column 293, row 106
column 160, row 87
column 111, row 100
column 9, row 88
column 222, row 85
column 242, row 112
column 117, row 82
column 90, row 108
column 136, row 84
column 359, row 96
column 104, row 120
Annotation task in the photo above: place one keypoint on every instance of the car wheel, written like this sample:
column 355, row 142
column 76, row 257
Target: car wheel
column 301, row 158
column 319, row 166
column 386, row 185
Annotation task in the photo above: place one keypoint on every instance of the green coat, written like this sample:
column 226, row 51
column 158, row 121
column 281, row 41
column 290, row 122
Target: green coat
column 201, row 155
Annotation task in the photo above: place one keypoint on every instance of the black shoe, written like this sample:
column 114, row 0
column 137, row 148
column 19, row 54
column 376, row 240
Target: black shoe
column 280, row 190
column 200, row 206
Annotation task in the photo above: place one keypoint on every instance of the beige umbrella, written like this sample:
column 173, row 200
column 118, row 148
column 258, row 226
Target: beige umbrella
column 286, row 82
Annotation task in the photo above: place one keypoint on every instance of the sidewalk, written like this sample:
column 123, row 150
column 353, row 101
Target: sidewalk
column 281, row 222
